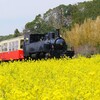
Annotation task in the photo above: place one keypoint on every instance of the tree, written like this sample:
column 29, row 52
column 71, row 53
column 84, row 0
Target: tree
column 16, row 33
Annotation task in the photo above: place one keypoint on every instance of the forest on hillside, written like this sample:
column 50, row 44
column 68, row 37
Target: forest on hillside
column 64, row 17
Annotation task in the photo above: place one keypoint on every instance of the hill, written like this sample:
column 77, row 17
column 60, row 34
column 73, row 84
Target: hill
column 64, row 17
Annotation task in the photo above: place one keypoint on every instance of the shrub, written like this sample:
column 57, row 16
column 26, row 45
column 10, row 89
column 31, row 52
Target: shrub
column 85, row 38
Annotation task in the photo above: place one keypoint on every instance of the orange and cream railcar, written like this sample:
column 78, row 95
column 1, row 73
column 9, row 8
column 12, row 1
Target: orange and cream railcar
column 12, row 49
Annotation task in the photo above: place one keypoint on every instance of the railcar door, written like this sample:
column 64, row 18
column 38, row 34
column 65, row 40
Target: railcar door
column 26, row 45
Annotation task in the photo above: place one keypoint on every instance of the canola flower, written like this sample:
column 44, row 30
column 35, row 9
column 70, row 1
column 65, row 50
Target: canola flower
column 52, row 79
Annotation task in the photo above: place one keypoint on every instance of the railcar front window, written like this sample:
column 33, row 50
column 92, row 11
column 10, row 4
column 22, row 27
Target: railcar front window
column 21, row 43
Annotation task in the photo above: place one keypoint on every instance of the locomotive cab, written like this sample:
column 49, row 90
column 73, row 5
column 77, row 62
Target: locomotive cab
column 33, row 44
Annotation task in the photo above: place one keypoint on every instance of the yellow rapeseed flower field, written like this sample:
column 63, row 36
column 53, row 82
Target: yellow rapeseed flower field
column 52, row 79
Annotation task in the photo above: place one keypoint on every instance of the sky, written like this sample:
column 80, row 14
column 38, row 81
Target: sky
column 16, row 13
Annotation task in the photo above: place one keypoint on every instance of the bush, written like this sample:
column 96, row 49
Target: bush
column 85, row 38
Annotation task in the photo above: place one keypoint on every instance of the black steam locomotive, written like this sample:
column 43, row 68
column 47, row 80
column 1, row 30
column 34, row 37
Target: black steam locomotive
column 45, row 45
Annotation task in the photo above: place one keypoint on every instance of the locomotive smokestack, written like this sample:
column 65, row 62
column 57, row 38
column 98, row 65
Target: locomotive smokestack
column 58, row 32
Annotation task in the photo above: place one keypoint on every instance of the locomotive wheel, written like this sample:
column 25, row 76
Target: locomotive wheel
column 42, row 55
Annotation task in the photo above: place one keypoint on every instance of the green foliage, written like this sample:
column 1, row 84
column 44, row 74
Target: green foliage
column 38, row 25
column 64, row 16
column 16, row 33
column 6, row 37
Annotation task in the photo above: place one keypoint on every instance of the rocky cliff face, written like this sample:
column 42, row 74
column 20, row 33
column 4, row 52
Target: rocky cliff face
column 58, row 17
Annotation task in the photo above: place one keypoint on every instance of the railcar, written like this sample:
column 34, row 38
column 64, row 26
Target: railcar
column 12, row 49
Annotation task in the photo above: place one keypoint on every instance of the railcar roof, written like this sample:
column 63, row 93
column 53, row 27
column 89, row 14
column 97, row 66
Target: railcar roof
column 8, row 40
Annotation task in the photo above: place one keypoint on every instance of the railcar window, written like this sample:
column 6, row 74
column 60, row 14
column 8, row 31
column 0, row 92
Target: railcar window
column 16, row 45
column 0, row 48
column 4, row 47
column 13, row 46
column 10, row 46
column 21, row 44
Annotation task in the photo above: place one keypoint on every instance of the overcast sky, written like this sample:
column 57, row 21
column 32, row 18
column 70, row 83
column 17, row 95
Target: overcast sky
column 16, row 13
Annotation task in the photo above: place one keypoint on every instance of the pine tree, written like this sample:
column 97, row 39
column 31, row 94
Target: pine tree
column 16, row 33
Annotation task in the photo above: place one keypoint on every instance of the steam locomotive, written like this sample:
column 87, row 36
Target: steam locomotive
column 35, row 46
column 45, row 45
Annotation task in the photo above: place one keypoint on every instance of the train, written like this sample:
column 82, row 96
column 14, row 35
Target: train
column 35, row 46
